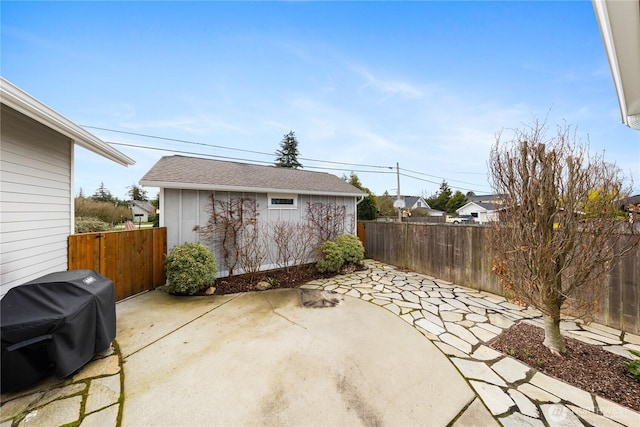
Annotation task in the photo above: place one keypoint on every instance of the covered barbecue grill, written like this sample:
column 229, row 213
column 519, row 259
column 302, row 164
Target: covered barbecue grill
column 55, row 324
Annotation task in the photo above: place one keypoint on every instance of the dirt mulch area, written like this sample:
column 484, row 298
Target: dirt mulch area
column 292, row 277
column 585, row 366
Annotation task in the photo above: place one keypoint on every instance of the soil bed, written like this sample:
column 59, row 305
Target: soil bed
column 585, row 366
column 282, row 278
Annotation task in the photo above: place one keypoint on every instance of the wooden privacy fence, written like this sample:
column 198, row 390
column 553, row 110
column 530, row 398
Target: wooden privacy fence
column 133, row 260
column 460, row 254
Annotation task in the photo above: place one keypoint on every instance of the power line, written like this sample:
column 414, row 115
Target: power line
column 434, row 182
column 171, row 150
column 231, row 148
column 435, row 176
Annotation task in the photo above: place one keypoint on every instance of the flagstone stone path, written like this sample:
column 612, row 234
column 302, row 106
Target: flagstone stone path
column 459, row 321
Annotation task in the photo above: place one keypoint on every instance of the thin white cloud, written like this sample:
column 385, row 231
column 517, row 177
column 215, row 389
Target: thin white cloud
column 390, row 87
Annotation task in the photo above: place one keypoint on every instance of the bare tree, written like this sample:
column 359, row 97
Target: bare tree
column 554, row 242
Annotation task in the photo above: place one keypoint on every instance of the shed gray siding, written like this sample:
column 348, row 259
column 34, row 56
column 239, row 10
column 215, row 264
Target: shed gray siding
column 181, row 210
column 36, row 202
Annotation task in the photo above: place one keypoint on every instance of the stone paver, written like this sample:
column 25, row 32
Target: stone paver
column 496, row 400
column 105, row 417
column 103, row 392
column 563, row 390
column 526, row 406
column 457, row 320
column 56, row 413
column 510, row 369
column 558, row 415
column 519, row 420
column 478, row 371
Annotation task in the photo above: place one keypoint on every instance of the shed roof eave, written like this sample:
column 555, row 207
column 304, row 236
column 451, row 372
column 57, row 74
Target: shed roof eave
column 16, row 98
column 238, row 189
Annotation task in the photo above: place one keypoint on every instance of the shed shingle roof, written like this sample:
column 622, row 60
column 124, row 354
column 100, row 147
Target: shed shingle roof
column 207, row 174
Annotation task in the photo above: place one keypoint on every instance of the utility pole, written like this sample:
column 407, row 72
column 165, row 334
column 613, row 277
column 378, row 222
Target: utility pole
column 400, row 207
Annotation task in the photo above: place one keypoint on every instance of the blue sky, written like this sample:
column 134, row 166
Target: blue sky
column 423, row 84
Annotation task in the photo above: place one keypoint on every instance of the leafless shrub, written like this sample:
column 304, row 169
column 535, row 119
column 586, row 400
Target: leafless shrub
column 327, row 220
column 252, row 249
column 226, row 227
column 293, row 243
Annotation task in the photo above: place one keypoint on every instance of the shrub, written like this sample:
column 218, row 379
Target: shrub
column 108, row 212
column 331, row 258
column 191, row 267
column 633, row 367
column 90, row 225
column 351, row 247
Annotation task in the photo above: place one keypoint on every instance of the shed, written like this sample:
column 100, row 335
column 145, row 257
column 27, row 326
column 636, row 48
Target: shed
column 141, row 210
column 189, row 186
column 36, row 176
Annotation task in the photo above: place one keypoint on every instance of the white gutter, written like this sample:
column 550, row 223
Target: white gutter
column 19, row 100
column 619, row 23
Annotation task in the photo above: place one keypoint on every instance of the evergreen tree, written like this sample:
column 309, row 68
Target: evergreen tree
column 103, row 195
column 439, row 200
column 456, row 201
column 287, row 155
column 367, row 209
column 136, row 192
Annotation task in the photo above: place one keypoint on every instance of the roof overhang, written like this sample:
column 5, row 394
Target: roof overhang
column 238, row 189
column 16, row 98
column 619, row 22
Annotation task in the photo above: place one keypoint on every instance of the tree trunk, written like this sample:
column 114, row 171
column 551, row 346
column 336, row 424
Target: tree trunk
column 552, row 337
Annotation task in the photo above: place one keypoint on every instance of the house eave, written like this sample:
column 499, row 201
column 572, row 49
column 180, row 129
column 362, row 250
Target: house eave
column 17, row 99
column 619, row 23
column 238, row 189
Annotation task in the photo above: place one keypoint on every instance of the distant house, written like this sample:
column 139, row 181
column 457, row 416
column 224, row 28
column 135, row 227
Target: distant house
column 36, row 191
column 496, row 199
column 416, row 204
column 188, row 185
column 481, row 212
column 631, row 205
column 141, row 210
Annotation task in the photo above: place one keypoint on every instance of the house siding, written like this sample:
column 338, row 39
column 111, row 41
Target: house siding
column 483, row 215
column 35, row 199
column 182, row 210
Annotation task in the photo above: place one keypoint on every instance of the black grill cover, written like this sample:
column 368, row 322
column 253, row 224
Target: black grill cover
column 55, row 324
